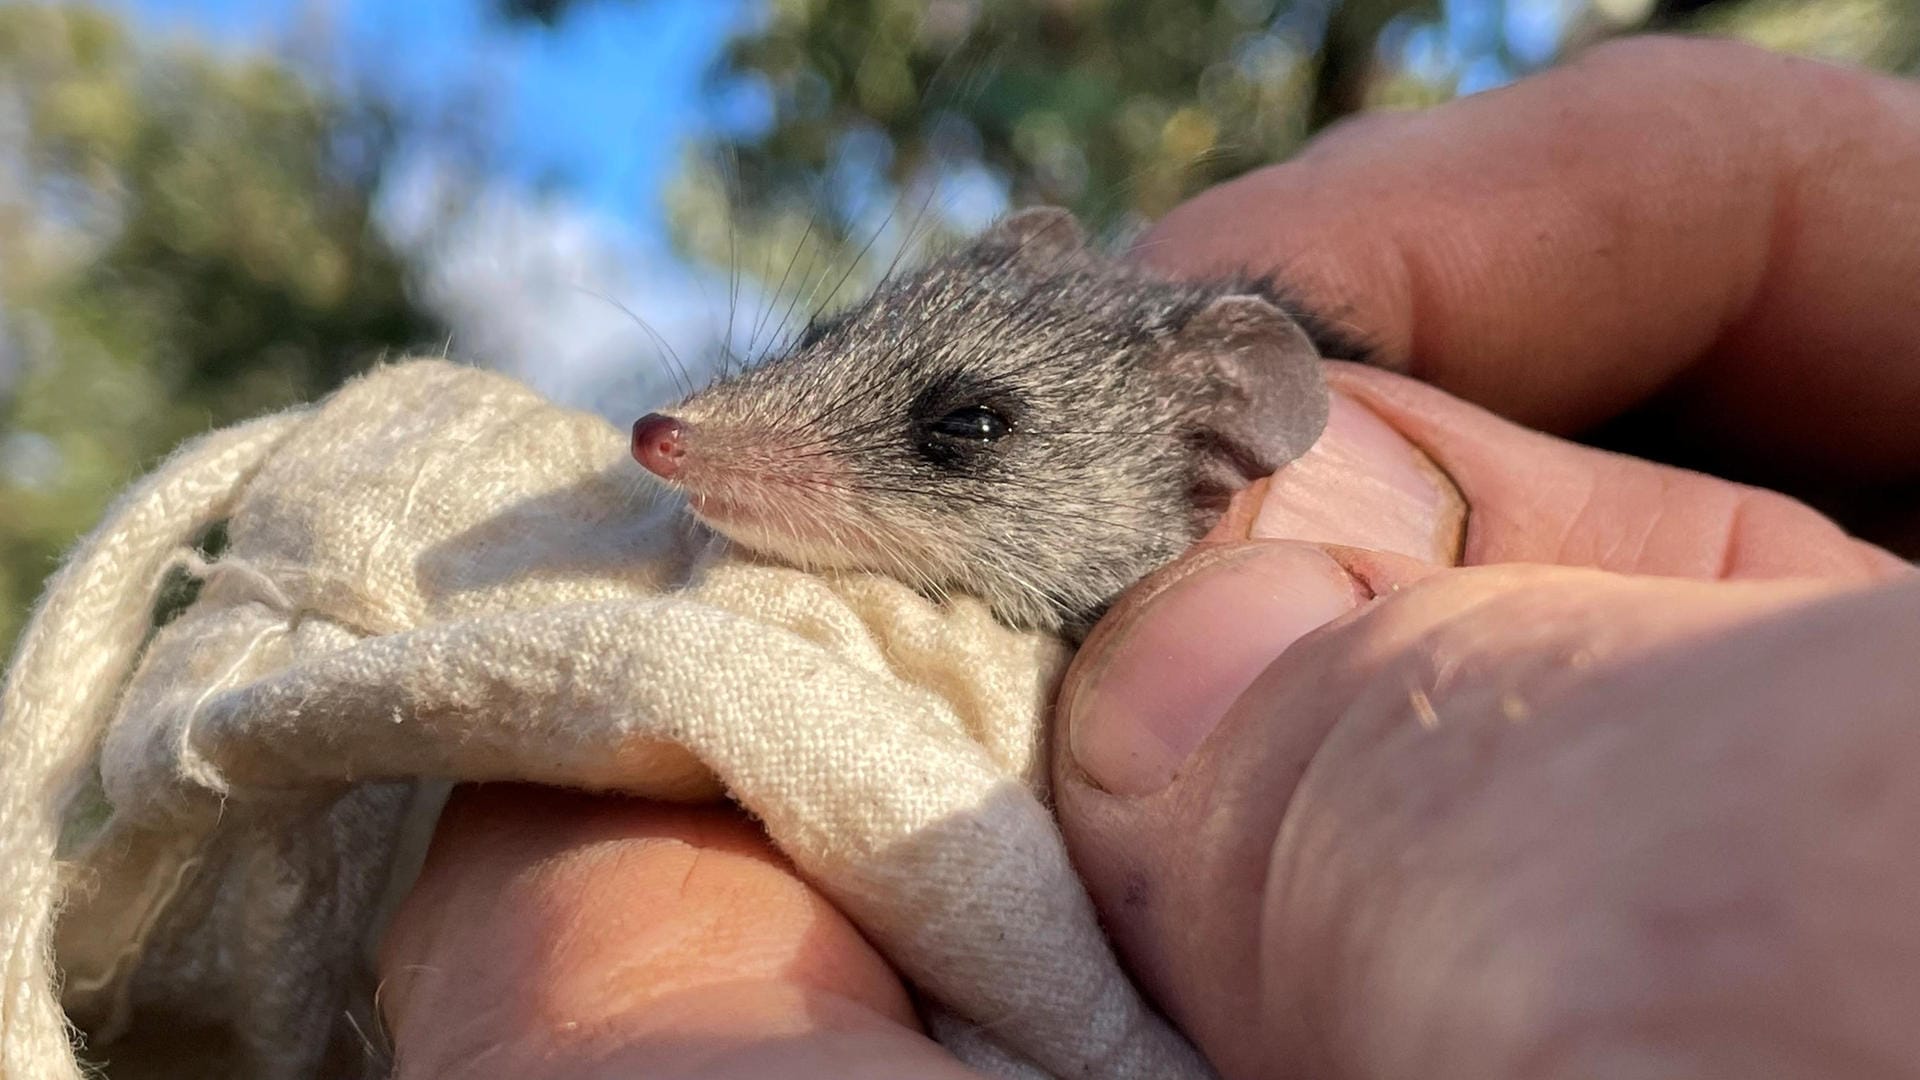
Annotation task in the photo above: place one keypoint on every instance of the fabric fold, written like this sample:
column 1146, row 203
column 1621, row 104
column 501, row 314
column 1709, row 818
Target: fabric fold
column 436, row 576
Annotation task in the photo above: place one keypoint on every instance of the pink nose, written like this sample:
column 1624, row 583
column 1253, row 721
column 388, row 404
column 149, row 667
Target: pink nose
column 657, row 444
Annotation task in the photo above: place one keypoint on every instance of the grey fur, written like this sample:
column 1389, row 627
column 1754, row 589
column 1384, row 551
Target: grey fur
column 1135, row 406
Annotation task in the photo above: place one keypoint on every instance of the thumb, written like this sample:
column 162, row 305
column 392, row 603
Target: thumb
column 1179, row 656
column 1302, row 805
column 1164, row 666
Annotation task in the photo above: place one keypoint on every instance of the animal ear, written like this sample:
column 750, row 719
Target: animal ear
column 1263, row 397
column 1041, row 236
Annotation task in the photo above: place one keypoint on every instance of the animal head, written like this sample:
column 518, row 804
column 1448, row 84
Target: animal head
column 1022, row 419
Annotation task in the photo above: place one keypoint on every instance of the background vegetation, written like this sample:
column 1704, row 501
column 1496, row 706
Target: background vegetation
column 189, row 234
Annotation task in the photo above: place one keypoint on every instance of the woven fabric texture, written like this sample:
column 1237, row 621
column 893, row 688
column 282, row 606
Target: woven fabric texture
column 436, row 576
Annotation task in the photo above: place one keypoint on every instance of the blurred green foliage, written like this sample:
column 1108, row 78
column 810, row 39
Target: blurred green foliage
column 1111, row 107
column 1116, row 108
column 1882, row 34
column 184, row 240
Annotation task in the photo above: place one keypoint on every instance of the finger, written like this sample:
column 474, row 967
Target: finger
column 1303, row 892
column 1538, row 499
column 1226, row 610
column 1738, row 228
column 1361, row 484
column 559, row 935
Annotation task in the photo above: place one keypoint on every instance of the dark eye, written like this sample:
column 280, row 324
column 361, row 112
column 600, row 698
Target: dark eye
column 976, row 423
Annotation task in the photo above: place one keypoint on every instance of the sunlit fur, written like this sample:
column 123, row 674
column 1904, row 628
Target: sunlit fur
column 1093, row 488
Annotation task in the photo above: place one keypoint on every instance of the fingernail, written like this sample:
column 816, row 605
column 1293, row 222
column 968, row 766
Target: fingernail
column 1364, row 485
column 1150, row 690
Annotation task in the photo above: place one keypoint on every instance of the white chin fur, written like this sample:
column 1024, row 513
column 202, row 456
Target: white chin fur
column 805, row 553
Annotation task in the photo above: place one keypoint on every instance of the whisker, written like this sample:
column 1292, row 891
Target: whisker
column 678, row 368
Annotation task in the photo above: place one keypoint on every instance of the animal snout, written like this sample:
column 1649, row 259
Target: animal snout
column 659, row 442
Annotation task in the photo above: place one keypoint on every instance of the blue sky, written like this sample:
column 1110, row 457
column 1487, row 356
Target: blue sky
column 600, row 105
column 563, row 242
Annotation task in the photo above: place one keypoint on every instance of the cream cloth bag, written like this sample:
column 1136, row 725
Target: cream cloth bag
column 435, row 575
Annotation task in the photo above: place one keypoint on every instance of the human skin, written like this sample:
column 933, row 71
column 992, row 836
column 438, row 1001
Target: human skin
column 1630, row 792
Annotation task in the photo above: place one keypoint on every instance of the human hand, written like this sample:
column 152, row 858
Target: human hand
column 1347, row 814
column 1306, row 928
column 559, row 935
column 1631, row 795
